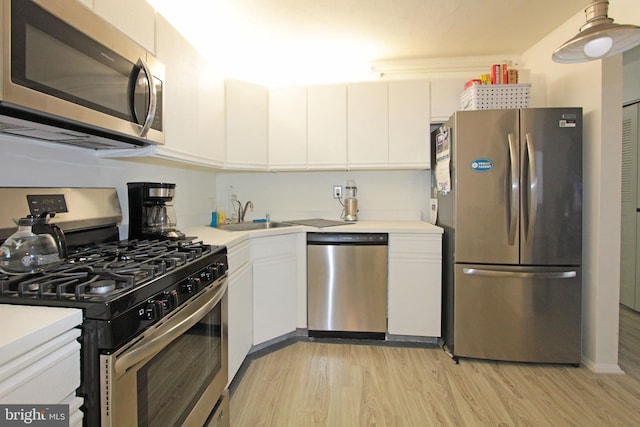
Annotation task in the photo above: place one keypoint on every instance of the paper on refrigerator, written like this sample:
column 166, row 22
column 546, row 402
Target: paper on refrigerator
column 443, row 160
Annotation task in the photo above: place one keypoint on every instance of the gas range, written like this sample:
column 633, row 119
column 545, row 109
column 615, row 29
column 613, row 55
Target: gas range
column 126, row 285
column 131, row 292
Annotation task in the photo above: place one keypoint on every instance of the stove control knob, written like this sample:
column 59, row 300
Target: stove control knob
column 217, row 271
column 191, row 286
column 170, row 300
column 221, row 269
column 154, row 310
column 209, row 275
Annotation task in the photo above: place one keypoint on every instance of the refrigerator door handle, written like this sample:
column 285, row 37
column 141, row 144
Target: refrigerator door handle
column 513, row 199
column 568, row 274
column 532, row 200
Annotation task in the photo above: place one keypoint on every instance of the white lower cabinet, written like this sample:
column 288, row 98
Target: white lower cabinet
column 40, row 358
column 275, row 277
column 267, row 289
column 240, row 303
column 415, row 285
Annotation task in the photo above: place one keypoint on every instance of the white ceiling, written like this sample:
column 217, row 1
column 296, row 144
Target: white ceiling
column 410, row 29
column 272, row 36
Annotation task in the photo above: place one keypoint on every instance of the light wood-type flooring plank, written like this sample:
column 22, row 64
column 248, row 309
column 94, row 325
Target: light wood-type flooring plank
column 346, row 384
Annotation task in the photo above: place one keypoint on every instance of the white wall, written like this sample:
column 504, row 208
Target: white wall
column 30, row 163
column 382, row 195
column 597, row 87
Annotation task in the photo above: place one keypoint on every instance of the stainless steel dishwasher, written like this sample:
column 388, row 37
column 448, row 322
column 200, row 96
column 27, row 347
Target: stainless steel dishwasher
column 347, row 285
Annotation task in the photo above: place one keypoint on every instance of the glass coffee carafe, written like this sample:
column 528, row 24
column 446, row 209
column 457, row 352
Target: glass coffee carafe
column 160, row 219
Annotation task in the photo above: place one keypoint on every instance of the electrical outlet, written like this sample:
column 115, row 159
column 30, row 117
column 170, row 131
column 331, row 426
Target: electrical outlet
column 337, row 191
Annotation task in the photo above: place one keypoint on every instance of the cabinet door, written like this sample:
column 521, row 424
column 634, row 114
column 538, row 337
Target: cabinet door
column 211, row 114
column 409, row 124
column 327, row 127
column 240, row 297
column 181, row 88
column 288, row 127
column 445, row 97
column 274, row 298
column 415, row 297
column 415, row 285
column 274, row 286
column 367, row 125
column 246, row 109
column 135, row 18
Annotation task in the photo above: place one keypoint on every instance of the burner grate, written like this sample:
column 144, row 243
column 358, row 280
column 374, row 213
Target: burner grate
column 102, row 272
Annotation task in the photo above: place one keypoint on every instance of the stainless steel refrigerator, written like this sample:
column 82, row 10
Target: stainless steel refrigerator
column 509, row 197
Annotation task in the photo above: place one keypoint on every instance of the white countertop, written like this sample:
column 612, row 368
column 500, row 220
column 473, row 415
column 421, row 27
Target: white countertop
column 26, row 327
column 219, row 237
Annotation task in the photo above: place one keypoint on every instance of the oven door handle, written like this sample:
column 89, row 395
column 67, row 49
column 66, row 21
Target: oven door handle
column 159, row 338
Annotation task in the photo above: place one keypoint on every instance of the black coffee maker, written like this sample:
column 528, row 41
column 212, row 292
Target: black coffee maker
column 151, row 214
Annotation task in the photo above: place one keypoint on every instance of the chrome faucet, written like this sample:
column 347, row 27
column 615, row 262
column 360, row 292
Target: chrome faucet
column 243, row 211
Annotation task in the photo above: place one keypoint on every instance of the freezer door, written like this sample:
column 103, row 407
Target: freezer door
column 551, row 182
column 521, row 314
column 486, row 186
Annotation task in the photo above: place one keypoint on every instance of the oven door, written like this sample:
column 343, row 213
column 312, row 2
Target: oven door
column 175, row 372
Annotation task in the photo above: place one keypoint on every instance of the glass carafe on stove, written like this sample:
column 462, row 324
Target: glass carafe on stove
column 34, row 247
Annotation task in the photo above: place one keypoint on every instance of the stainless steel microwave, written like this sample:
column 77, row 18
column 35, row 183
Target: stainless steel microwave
column 69, row 76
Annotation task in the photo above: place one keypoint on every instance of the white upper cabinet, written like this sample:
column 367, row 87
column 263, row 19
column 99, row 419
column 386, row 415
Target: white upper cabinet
column 180, row 88
column 371, row 125
column 368, row 125
column 211, row 113
column 135, row 18
column 409, row 123
column 445, row 98
column 246, row 125
column 287, row 128
column 327, row 127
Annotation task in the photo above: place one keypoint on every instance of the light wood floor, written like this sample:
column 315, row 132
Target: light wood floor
column 333, row 384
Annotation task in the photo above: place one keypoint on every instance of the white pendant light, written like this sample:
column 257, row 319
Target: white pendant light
column 598, row 38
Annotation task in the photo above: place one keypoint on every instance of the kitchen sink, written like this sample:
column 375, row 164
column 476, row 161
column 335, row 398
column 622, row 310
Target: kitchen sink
column 245, row 226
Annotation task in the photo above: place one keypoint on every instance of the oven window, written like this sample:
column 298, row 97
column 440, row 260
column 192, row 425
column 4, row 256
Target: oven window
column 171, row 383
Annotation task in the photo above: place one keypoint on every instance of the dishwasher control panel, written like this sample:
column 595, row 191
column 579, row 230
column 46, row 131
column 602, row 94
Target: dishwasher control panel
column 347, row 238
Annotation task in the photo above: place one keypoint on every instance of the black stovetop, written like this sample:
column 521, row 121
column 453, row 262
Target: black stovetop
column 108, row 278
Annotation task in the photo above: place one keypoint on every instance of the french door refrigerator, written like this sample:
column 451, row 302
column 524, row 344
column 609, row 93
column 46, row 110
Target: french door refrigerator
column 509, row 197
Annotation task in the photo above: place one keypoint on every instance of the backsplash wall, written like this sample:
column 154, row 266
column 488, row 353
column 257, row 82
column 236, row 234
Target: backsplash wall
column 382, row 195
column 29, row 163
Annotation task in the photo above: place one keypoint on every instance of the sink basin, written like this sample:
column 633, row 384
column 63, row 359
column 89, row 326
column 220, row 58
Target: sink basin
column 244, row 226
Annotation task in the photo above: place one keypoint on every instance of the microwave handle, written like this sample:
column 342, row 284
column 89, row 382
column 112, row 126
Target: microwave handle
column 181, row 322
column 153, row 99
